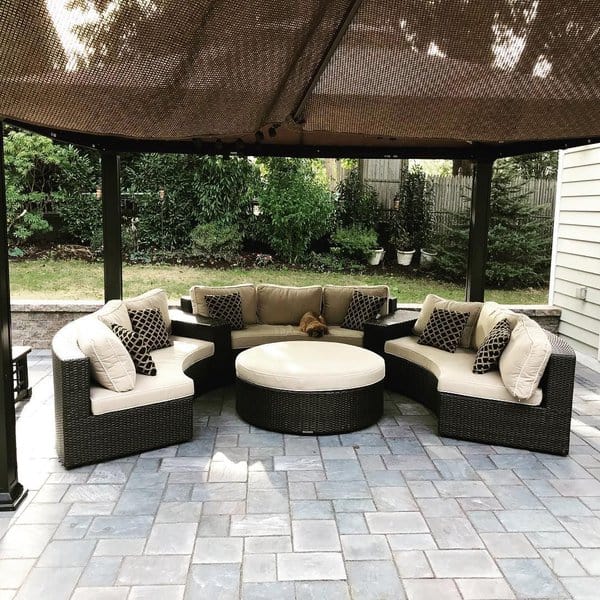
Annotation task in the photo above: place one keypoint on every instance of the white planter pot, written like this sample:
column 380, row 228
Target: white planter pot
column 427, row 258
column 376, row 256
column 404, row 257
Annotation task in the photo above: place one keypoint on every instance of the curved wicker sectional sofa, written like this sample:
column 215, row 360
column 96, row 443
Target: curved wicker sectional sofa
column 477, row 407
column 95, row 424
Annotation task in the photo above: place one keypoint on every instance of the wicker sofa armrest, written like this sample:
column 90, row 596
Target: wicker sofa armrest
column 210, row 330
column 378, row 331
column 559, row 377
column 201, row 328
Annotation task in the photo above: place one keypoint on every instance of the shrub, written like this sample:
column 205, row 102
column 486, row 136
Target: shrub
column 356, row 203
column 296, row 207
column 216, row 240
column 519, row 245
column 355, row 242
column 22, row 222
column 81, row 217
column 416, row 206
column 197, row 189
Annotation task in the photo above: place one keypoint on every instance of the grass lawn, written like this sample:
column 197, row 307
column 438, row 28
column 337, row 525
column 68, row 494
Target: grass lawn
column 78, row 280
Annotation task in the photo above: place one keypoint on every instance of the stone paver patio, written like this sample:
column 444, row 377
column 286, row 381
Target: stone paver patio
column 390, row 512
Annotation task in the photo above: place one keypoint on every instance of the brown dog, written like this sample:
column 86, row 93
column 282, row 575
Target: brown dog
column 314, row 325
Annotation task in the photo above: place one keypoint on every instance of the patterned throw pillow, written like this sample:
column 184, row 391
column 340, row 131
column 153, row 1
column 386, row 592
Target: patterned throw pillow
column 444, row 329
column 226, row 308
column 149, row 325
column 488, row 355
column 362, row 308
column 139, row 353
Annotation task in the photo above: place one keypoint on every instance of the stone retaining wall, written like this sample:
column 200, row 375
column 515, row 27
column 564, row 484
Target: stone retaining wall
column 34, row 323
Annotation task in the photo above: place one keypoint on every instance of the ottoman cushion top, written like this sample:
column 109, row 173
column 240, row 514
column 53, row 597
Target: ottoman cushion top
column 306, row 366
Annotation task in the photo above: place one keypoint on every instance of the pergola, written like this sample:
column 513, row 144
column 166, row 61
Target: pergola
column 460, row 79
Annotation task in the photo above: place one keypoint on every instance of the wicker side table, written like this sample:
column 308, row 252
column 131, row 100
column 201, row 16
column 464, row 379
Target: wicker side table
column 21, row 372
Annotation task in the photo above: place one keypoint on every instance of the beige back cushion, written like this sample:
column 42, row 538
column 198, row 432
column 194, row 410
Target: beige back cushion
column 156, row 298
column 285, row 305
column 114, row 311
column 337, row 298
column 110, row 363
column 524, row 359
column 491, row 314
column 433, row 301
column 247, row 293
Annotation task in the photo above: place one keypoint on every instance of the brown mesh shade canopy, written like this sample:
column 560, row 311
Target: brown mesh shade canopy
column 335, row 77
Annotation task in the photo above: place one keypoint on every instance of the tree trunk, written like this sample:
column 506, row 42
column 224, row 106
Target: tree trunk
column 462, row 167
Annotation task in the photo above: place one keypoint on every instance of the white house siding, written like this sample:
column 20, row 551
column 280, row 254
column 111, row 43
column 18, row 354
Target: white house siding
column 576, row 258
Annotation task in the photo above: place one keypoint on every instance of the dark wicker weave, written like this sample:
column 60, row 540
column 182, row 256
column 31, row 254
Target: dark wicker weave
column 309, row 413
column 544, row 428
column 83, row 438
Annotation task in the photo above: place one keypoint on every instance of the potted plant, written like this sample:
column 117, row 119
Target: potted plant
column 428, row 250
column 376, row 256
column 400, row 239
column 357, row 243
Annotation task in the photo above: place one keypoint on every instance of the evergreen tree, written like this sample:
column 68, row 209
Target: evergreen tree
column 519, row 242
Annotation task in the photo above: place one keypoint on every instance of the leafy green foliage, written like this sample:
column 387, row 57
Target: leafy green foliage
column 540, row 165
column 355, row 242
column 37, row 171
column 415, row 214
column 220, row 241
column 296, row 207
column 22, row 222
column 356, row 203
column 518, row 243
column 82, row 218
column 197, row 189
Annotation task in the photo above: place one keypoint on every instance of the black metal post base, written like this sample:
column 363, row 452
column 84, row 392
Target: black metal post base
column 11, row 500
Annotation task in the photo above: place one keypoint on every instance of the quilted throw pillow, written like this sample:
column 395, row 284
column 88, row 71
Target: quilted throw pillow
column 362, row 308
column 226, row 308
column 488, row 355
column 444, row 329
column 142, row 360
column 149, row 325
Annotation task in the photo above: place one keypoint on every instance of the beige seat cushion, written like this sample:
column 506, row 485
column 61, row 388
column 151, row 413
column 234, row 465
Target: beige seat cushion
column 343, row 336
column 306, row 366
column 454, row 371
column 285, row 305
column 247, row 293
column 433, row 301
column 155, row 298
column 254, row 335
column 337, row 298
column 114, row 311
column 110, row 363
column 491, row 314
column 524, row 359
column 169, row 383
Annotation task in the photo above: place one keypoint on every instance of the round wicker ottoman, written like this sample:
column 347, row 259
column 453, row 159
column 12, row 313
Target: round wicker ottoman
column 309, row 387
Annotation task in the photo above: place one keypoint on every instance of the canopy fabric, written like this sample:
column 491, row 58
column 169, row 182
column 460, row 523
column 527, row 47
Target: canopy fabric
column 441, row 74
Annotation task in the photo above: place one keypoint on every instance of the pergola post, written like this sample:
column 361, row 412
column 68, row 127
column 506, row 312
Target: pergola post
column 111, row 226
column 478, row 230
column 11, row 491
